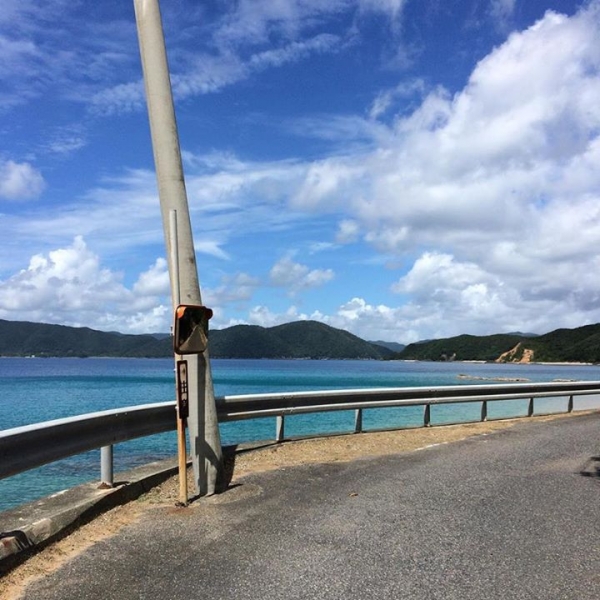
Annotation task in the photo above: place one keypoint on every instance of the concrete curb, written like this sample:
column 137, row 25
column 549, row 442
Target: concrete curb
column 35, row 524
column 31, row 526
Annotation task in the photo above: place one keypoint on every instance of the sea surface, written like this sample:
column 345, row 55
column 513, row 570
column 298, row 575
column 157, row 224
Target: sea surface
column 34, row 390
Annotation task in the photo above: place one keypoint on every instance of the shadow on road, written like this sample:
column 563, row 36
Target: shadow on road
column 591, row 467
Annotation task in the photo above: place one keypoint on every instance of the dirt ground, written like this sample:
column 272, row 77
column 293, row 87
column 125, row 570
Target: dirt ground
column 342, row 448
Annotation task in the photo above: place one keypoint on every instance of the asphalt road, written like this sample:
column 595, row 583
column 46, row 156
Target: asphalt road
column 507, row 516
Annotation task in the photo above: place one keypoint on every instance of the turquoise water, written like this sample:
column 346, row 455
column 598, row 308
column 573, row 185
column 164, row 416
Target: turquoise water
column 35, row 390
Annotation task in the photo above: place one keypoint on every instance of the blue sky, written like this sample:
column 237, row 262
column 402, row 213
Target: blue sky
column 400, row 169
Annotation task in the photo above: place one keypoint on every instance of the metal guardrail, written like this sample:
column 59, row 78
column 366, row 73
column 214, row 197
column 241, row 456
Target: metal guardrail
column 24, row 448
column 31, row 446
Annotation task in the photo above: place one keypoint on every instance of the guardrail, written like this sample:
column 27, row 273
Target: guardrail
column 31, row 446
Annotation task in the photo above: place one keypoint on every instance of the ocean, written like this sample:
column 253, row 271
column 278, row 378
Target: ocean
column 34, row 390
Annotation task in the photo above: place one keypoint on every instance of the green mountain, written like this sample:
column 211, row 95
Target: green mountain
column 394, row 346
column 21, row 338
column 303, row 339
column 562, row 345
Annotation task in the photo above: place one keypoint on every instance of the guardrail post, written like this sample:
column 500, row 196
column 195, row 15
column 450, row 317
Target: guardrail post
column 427, row 416
column 106, row 466
column 570, row 405
column 358, row 415
column 530, row 408
column 280, row 429
column 484, row 411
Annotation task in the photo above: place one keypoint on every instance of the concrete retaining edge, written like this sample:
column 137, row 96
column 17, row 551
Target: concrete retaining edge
column 29, row 527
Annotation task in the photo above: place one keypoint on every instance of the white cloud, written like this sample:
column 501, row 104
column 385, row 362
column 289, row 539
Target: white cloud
column 208, row 74
column 385, row 100
column 20, row 181
column 212, row 248
column 70, row 286
column 155, row 281
column 53, row 48
column 264, row 317
column 16, row 53
column 234, row 289
column 503, row 174
column 489, row 194
column 348, row 231
column 253, row 22
column 121, row 98
column 66, row 140
column 296, row 277
column 501, row 11
column 250, row 38
column 391, row 8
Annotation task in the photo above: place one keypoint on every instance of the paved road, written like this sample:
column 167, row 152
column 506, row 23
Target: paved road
column 505, row 516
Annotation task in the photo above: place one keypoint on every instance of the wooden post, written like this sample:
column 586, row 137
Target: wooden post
column 182, row 415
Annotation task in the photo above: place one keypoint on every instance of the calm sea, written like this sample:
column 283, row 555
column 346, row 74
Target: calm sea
column 34, row 390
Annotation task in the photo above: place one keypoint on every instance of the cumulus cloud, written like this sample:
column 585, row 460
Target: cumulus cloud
column 155, row 281
column 491, row 193
column 503, row 174
column 487, row 195
column 296, row 277
column 20, row 181
column 264, row 317
column 505, row 145
column 70, row 286
column 496, row 187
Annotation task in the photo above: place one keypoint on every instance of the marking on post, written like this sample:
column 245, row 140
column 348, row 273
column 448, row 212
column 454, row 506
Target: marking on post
column 183, row 400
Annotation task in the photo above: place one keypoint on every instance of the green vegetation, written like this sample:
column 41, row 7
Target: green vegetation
column 20, row 338
column 562, row 345
column 462, row 347
column 303, row 339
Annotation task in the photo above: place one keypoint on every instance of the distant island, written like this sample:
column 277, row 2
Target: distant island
column 302, row 340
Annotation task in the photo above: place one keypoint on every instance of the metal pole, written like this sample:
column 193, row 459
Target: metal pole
column 206, row 452
column 358, row 419
column 427, row 416
column 279, row 428
column 106, row 466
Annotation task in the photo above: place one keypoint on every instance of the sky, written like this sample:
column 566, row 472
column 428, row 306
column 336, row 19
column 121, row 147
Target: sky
column 400, row 169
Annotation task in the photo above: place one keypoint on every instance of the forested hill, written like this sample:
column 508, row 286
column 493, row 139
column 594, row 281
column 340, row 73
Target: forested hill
column 21, row 338
column 562, row 345
column 302, row 339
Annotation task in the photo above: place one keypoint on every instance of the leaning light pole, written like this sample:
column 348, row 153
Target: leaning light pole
column 205, row 443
